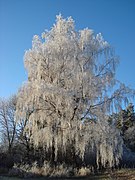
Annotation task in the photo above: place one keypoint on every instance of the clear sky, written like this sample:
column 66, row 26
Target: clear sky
column 21, row 19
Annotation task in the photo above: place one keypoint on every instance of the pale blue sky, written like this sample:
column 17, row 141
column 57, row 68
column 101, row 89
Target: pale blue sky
column 21, row 19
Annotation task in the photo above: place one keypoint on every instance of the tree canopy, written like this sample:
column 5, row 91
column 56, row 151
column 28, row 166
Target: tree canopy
column 70, row 91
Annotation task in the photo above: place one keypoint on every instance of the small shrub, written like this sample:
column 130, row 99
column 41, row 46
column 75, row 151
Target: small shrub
column 84, row 171
column 3, row 170
column 16, row 172
column 62, row 171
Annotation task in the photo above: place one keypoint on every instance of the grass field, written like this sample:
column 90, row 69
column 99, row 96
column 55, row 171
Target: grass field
column 123, row 174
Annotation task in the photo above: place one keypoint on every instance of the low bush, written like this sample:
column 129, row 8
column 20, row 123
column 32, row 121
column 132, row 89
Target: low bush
column 47, row 170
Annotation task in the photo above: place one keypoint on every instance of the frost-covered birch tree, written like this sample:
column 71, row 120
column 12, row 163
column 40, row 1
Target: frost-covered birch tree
column 70, row 91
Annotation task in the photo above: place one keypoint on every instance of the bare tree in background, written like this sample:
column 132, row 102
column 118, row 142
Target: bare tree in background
column 70, row 91
column 7, row 122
